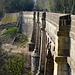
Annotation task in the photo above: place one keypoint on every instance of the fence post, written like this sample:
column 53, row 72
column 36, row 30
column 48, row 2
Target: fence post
column 35, row 55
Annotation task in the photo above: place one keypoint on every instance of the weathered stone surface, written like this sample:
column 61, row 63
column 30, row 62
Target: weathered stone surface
column 34, row 28
column 62, row 33
column 49, row 64
column 27, row 24
column 62, row 45
column 73, row 23
column 34, row 62
column 71, row 59
column 64, row 42
column 61, row 59
column 71, row 63
column 30, row 46
column 73, row 29
column 64, row 28
column 36, row 54
column 43, row 46
column 72, row 35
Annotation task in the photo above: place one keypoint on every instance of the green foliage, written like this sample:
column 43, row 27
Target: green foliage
column 15, row 5
column 43, row 5
column 24, row 37
column 16, row 65
column 5, row 26
column 58, row 6
column 13, row 31
column 29, row 73
column 73, row 8
column 12, row 35
column 3, row 59
column 10, row 18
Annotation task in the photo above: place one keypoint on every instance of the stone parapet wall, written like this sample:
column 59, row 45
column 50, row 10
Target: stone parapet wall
column 28, row 12
column 71, row 59
column 61, row 30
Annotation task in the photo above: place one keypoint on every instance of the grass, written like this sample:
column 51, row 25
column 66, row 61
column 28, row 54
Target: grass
column 20, row 38
column 12, row 35
column 8, row 18
column 12, row 31
column 6, row 26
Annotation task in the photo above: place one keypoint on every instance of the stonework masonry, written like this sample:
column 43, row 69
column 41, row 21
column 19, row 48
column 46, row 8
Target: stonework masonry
column 54, row 52
column 71, row 58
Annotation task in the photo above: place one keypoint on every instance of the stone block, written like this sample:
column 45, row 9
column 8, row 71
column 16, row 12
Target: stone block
column 63, row 52
column 63, row 46
column 64, row 28
column 73, row 23
column 72, row 35
column 61, row 59
column 34, row 62
column 73, row 29
column 62, row 33
column 30, row 46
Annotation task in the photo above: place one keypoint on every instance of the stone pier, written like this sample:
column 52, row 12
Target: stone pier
column 43, row 46
column 34, row 27
column 35, row 55
column 62, row 46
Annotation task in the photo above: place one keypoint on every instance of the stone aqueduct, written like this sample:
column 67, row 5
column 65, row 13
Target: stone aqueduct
column 54, row 39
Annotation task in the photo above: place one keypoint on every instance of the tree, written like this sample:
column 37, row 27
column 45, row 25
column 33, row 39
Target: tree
column 7, row 6
column 73, row 7
column 58, row 6
column 42, row 5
